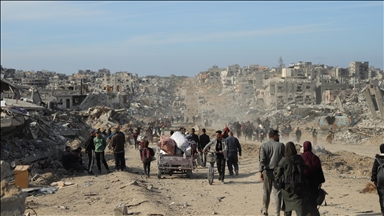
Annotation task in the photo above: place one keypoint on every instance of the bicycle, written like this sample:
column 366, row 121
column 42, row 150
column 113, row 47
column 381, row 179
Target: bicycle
column 211, row 159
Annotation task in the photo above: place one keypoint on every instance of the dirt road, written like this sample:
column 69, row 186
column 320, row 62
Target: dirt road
column 177, row 195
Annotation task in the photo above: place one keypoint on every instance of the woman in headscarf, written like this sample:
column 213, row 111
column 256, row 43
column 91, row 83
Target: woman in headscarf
column 379, row 159
column 315, row 176
column 291, row 200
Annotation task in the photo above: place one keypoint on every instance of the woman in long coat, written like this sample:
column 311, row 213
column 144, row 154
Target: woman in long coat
column 315, row 176
column 291, row 200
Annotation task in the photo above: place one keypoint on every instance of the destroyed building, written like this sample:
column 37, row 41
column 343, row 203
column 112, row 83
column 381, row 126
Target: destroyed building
column 359, row 70
column 119, row 82
column 279, row 93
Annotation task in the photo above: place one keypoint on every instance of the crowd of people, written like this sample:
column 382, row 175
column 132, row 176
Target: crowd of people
column 294, row 179
column 259, row 131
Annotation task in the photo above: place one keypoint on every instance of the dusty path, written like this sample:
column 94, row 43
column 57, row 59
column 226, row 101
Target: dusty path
column 177, row 195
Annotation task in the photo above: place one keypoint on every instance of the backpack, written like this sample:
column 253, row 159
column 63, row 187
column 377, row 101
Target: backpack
column 380, row 175
column 295, row 180
column 146, row 156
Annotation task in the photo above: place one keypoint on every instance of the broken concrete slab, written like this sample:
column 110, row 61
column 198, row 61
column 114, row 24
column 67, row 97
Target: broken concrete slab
column 120, row 209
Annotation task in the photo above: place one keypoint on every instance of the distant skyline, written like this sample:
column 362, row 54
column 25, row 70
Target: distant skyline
column 185, row 38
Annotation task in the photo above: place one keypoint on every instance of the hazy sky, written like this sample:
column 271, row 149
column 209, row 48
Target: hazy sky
column 185, row 38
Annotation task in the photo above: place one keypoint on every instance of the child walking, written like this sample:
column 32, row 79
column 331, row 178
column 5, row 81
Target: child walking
column 146, row 156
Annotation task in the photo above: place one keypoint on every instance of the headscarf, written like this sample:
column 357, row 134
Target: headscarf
column 311, row 160
column 290, row 150
column 382, row 148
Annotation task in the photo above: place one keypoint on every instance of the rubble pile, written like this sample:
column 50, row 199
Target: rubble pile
column 12, row 197
column 40, row 140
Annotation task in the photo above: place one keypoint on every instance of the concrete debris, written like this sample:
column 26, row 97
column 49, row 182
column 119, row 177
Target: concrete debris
column 12, row 200
column 6, row 171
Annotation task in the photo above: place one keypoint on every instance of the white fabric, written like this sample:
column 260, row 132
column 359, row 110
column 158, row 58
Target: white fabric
column 180, row 140
column 163, row 152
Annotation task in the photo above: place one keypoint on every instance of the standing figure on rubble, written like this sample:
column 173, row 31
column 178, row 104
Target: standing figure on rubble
column 134, row 136
column 195, row 138
column 204, row 140
column 298, row 135
column 234, row 149
column 330, row 136
column 238, row 129
column 314, row 136
column 117, row 145
column 267, row 124
column 90, row 150
column 100, row 144
column 149, row 134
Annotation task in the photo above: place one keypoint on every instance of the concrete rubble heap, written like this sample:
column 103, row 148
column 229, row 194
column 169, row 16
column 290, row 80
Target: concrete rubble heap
column 34, row 135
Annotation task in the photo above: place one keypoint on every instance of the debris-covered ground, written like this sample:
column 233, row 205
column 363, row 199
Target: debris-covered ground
column 36, row 136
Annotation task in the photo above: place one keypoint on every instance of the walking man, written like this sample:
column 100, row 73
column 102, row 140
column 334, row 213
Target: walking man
column 195, row 138
column 314, row 137
column 271, row 153
column 219, row 146
column 117, row 145
column 100, row 145
column 234, row 148
column 90, row 150
column 298, row 135
column 204, row 140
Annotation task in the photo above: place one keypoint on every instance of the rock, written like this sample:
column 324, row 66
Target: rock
column 316, row 149
column 120, row 209
column 6, row 172
column 13, row 205
column 134, row 183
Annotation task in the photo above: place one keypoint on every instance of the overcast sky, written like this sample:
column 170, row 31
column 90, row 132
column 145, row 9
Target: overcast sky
column 185, row 38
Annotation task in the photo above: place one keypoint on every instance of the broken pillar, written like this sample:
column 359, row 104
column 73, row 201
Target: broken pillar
column 379, row 101
column 368, row 97
column 120, row 209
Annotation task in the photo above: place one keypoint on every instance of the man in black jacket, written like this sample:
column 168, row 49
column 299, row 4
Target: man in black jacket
column 298, row 135
column 204, row 140
column 195, row 138
column 379, row 159
column 117, row 145
column 234, row 148
column 90, row 150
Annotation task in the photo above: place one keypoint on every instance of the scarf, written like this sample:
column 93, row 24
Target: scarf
column 311, row 160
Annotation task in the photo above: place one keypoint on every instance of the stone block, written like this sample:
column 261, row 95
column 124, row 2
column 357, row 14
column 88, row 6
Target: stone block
column 6, row 171
column 120, row 209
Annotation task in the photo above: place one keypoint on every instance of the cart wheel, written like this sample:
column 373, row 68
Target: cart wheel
column 159, row 173
column 189, row 173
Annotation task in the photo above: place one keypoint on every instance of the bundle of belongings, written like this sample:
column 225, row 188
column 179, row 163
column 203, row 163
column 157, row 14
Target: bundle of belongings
column 177, row 144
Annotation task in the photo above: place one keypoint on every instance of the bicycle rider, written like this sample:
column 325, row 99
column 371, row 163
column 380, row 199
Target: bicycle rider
column 220, row 148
